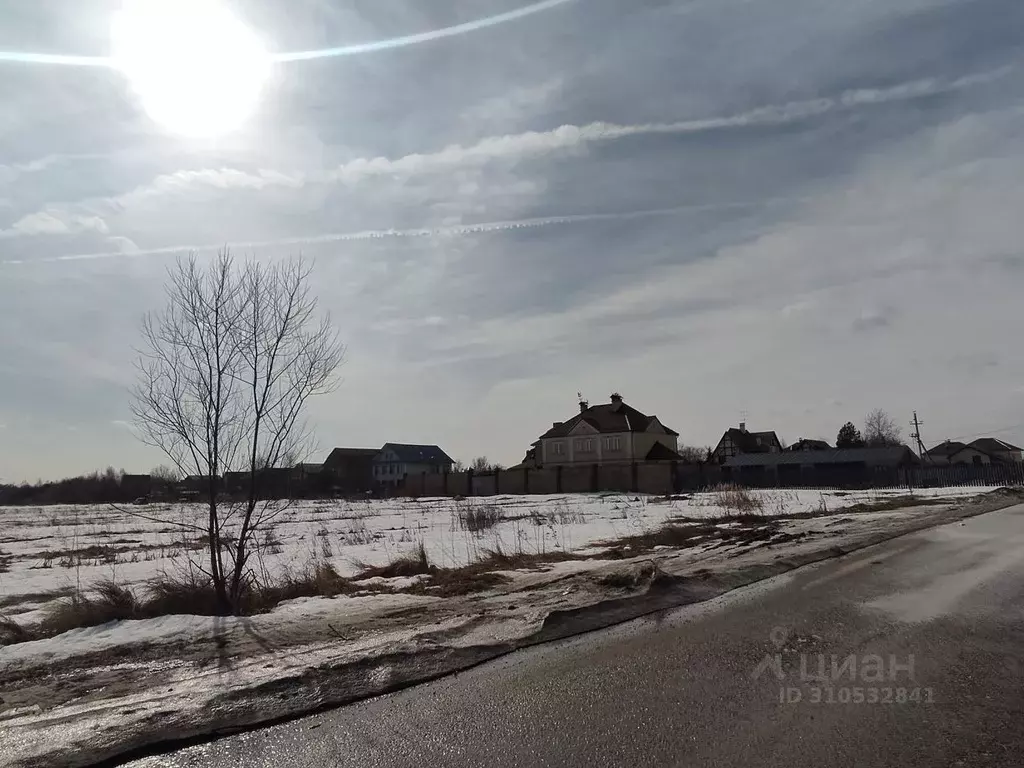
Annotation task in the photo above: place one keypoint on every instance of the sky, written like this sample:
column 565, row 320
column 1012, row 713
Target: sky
column 795, row 210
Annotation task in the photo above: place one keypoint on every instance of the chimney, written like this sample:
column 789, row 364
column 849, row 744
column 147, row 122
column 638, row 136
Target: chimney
column 743, row 426
column 616, row 398
column 584, row 405
column 556, row 424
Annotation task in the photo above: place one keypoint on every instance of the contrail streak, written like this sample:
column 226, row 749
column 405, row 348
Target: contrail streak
column 445, row 231
column 17, row 57
column 423, row 37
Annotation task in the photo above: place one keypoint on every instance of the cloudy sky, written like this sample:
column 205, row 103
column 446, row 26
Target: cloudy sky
column 797, row 209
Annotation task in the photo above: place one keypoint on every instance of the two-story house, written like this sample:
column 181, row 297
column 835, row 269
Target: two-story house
column 609, row 433
column 739, row 441
column 396, row 460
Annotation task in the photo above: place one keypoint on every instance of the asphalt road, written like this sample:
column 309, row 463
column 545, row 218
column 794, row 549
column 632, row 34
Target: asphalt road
column 681, row 689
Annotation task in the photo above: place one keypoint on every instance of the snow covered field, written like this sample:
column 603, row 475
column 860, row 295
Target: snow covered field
column 50, row 552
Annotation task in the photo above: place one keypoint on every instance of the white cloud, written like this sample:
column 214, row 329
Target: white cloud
column 186, row 184
column 54, row 222
column 909, row 248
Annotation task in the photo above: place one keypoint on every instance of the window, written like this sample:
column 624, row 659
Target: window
column 584, row 446
column 559, row 449
column 613, row 443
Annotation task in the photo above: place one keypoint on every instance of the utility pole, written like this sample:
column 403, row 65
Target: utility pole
column 916, row 434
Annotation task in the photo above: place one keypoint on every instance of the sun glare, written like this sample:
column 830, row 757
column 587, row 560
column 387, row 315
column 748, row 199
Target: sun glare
column 197, row 69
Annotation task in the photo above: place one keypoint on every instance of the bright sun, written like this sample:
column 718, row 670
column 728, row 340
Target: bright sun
column 197, row 69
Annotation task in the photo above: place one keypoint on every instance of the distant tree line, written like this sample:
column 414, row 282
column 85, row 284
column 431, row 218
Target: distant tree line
column 96, row 488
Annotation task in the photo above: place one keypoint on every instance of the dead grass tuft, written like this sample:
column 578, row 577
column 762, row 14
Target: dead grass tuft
column 317, row 580
column 479, row 517
column 413, row 564
column 111, row 602
column 12, row 632
column 896, row 502
column 191, row 593
column 737, row 499
column 634, row 578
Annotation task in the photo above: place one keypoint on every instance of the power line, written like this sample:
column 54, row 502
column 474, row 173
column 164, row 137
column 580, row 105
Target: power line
column 986, row 432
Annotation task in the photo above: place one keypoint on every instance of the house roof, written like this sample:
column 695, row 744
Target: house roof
column 339, row 453
column 808, row 444
column 947, row 448
column 661, row 452
column 417, row 454
column 615, row 416
column 992, row 445
column 747, row 442
column 875, row 457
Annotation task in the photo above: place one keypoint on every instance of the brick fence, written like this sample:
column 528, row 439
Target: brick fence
column 642, row 477
column 660, row 478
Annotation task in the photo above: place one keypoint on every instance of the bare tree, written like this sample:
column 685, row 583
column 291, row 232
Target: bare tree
column 880, row 429
column 224, row 375
column 483, row 464
column 164, row 474
column 691, row 454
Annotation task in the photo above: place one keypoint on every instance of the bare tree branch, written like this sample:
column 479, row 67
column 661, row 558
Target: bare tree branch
column 224, row 376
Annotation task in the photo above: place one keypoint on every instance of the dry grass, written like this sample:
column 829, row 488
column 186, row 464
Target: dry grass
column 634, row 578
column 497, row 558
column 12, row 632
column 445, row 582
column 167, row 595
column 35, row 597
column 111, row 602
column 895, row 502
column 415, row 563
column 479, row 517
column 316, row 580
column 682, row 534
column 190, row 593
column 737, row 500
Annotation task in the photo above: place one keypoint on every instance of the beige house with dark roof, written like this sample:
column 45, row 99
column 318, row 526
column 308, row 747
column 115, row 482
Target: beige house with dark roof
column 610, row 433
